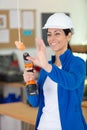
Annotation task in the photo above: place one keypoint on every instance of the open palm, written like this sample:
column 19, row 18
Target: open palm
column 40, row 58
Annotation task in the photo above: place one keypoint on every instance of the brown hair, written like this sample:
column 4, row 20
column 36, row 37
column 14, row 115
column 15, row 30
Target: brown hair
column 67, row 31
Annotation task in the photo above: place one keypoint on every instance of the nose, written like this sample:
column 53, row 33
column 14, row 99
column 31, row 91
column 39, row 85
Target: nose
column 52, row 38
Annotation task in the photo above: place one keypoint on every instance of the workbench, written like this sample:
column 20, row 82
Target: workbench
column 84, row 108
column 20, row 111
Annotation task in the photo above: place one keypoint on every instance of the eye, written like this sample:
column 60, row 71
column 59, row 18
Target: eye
column 57, row 33
column 48, row 34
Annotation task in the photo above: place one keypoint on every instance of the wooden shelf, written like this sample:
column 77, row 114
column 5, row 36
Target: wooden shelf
column 79, row 48
column 12, row 84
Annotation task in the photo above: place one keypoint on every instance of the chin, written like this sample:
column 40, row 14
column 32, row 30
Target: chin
column 55, row 49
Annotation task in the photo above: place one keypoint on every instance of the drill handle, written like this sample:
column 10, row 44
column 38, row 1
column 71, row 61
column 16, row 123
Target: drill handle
column 31, row 85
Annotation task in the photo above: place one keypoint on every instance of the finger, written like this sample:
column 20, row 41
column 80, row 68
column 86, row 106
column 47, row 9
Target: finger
column 30, row 58
column 40, row 44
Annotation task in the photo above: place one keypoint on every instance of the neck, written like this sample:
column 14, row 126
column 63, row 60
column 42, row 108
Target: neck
column 57, row 61
column 60, row 52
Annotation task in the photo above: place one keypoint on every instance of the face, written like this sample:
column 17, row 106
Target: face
column 57, row 40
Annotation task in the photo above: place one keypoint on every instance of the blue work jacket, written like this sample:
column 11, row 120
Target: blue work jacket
column 70, row 81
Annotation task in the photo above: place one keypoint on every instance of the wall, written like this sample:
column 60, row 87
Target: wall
column 77, row 10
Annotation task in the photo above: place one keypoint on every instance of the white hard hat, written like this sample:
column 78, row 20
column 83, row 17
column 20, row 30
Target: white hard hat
column 59, row 20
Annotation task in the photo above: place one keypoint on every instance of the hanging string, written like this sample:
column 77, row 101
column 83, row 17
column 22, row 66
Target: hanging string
column 19, row 44
column 18, row 17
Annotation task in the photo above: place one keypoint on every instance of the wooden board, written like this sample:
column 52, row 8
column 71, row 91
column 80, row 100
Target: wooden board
column 20, row 111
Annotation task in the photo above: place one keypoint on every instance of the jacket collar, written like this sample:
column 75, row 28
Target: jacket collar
column 64, row 57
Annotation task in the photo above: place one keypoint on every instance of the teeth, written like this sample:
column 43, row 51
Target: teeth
column 53, row 43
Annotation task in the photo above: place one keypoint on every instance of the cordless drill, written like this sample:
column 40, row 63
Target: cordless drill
column 31, row 85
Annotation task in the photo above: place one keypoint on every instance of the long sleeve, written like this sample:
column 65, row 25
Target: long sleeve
column 73, row 77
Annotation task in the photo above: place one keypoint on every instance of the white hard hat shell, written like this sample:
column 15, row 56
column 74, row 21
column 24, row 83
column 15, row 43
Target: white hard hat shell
column 59, row 20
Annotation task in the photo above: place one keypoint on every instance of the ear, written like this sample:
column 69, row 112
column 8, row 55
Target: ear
column 69, row 36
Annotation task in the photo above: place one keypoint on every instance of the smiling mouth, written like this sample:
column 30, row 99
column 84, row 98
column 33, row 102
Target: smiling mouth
column 54, row 43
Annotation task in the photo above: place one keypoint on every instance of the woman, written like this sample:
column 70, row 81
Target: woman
column 61, row 80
